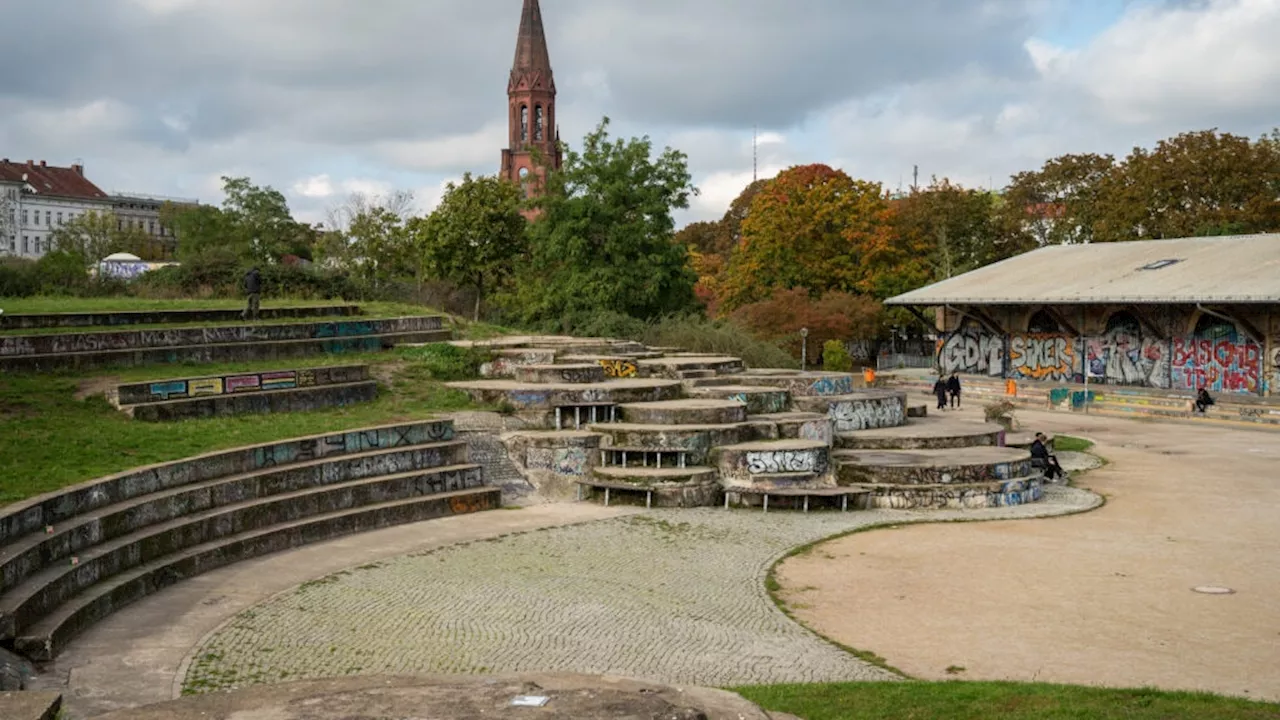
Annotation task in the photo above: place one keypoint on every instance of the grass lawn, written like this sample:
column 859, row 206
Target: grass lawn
column 996, row 700
column 1067, row 443
column 50, row 439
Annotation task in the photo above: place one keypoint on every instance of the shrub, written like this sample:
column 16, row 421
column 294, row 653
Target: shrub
column 1000, row 412
column 833, row 316
column 719, row 337
column 835, row 358
column 445, row 362
column 18, row 278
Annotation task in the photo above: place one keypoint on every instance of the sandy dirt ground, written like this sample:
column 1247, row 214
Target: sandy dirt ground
column 1102, row 598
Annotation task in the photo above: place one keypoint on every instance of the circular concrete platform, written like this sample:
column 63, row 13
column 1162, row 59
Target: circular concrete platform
column 923, row 434
column 694, row 411
column 932, row 467
column 458, row 698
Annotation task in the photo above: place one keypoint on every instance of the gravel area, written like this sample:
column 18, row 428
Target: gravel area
column 675, row 596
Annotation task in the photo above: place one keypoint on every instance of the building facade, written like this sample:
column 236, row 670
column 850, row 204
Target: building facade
column 1178, row 315
column 533, row 138
column 141, row 212
column 39, row 198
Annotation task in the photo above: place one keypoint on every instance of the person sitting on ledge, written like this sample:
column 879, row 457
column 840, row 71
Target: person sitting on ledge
column 1203, row 401
column 1040, row 458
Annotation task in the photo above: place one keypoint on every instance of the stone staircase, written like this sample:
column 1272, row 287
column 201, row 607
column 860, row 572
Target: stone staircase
column 71, row 558
column 218, row 343
column 270, row 391
column 687, row 430
column 1105, row 400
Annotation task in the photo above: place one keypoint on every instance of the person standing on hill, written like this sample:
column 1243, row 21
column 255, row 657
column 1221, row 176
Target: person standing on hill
column 252, row 288
column 940, row 390
column 953, row 388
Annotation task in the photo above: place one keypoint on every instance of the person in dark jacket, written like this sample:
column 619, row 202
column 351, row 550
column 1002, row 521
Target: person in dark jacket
column 1041, row 458
column 940, row 390
column 953, row 388
column 1203, row 400
column 252, row 288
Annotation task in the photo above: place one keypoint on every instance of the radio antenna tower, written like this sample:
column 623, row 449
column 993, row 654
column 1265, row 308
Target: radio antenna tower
column 755, row 153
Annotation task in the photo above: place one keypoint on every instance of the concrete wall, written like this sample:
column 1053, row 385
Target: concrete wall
column 161, row 317
column 1170, row 347
column 184, row 388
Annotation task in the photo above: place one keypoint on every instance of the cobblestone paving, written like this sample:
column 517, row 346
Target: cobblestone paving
column 672, row 595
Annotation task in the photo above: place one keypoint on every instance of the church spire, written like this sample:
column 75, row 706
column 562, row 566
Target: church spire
column 532, row 60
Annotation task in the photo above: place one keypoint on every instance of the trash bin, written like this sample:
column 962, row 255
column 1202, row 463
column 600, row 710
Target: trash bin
column 1011, row 387
column 869, row 376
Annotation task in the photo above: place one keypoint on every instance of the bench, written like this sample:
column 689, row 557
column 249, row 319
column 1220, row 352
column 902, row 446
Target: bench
column 841, row 492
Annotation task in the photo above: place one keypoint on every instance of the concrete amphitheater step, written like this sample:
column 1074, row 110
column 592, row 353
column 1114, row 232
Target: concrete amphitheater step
column 759, row 400
column 774, row 463
column 118, row 318
column 648, row 476
column 44, row 591
column 808, row 383
column 671, row 367
column 44, row 640
column 561, row 373
column 695, row 486
column 859, row 410
column 923, row 434
column 931, row 467
column 220, row 352
column 188, row 388
column 669, row 437
column 995, row 493
column 30, row 553
column 263, row 402
column 692, row 411
column 790, row 426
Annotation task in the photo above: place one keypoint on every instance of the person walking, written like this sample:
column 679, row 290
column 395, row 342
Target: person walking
column 940, row 390
column 252, row 288
column 953, row 389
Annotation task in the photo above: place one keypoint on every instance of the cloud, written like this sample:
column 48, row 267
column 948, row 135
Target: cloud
column 319, row 97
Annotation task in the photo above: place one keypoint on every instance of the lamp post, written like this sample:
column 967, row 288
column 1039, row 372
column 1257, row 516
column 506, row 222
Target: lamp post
column 804, row 348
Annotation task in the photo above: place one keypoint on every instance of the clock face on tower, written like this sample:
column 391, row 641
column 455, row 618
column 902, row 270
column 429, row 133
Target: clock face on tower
column 524, row 173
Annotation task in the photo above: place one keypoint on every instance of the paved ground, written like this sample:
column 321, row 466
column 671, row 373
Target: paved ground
column 674, row 596
column 1100, row 598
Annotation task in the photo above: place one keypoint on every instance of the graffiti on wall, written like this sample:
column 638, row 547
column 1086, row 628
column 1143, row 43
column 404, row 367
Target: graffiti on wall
column 1227, row 362
column 1124, row 355
column 853, row 415
column 972, row 351
column 619, row 368
column 1043, row 356
column 786, row 461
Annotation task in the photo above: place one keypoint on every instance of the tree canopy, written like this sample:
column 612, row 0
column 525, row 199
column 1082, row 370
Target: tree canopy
column 475, row 235
column 93, row 235
column 603, row 240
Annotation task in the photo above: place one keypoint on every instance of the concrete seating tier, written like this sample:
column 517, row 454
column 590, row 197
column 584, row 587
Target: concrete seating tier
column 116, row 318
column 614, row 366
column 548, row 396
column 223, row 343
column 802, row 384
column 923, row 434
column 932, row 467
column 575, row 373
column 791, row 426
column 758, row 400
column 242, row 393
column 660, row 487
column 70, row 558
column 860, row 410
column 774, row 464
column 798, row 498
column 696, row 411
column 691, row 442
column 672, row 367
column 955, row 496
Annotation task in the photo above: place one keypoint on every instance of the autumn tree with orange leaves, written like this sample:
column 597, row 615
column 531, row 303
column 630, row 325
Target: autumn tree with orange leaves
column 811, row 227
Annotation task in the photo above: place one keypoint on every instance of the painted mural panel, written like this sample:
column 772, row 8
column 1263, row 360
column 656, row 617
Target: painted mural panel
column 1044, row 356
column 1218, row 358
column 1125, row 356
column 972, row 351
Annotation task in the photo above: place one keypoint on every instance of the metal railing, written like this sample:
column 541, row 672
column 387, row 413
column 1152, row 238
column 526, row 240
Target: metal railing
column 897, row 361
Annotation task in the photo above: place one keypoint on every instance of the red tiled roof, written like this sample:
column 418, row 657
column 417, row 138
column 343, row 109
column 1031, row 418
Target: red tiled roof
column 49, row 180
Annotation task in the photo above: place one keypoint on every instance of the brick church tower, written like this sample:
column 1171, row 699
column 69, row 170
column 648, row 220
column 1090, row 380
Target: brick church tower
column 531, row 100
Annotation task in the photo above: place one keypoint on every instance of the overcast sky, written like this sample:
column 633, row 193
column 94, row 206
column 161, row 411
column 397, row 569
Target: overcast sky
column 322, row 97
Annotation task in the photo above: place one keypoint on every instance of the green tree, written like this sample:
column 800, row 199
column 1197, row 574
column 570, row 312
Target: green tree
column 378, row 242
column 92, row 236
column 1059, row 204
column 254, row 222
column 811, row 227
column 474, row 236
column 1198, row 183
column 946, row 228
column 603, row 240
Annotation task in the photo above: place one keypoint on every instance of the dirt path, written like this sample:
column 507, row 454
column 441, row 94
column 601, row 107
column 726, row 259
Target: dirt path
column 1101, row 598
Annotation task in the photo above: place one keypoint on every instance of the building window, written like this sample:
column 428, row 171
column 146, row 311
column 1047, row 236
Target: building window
column 26, row 245
column 59, row 219
column 537, row 122
column 48, row 218
column 35, row 217
column 524, row 123
column 151, row 227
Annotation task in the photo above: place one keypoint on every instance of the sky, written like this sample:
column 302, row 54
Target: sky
column 321, row 98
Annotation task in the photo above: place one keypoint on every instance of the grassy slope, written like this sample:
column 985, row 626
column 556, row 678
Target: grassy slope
column 50, row 439
column 1004, row 700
